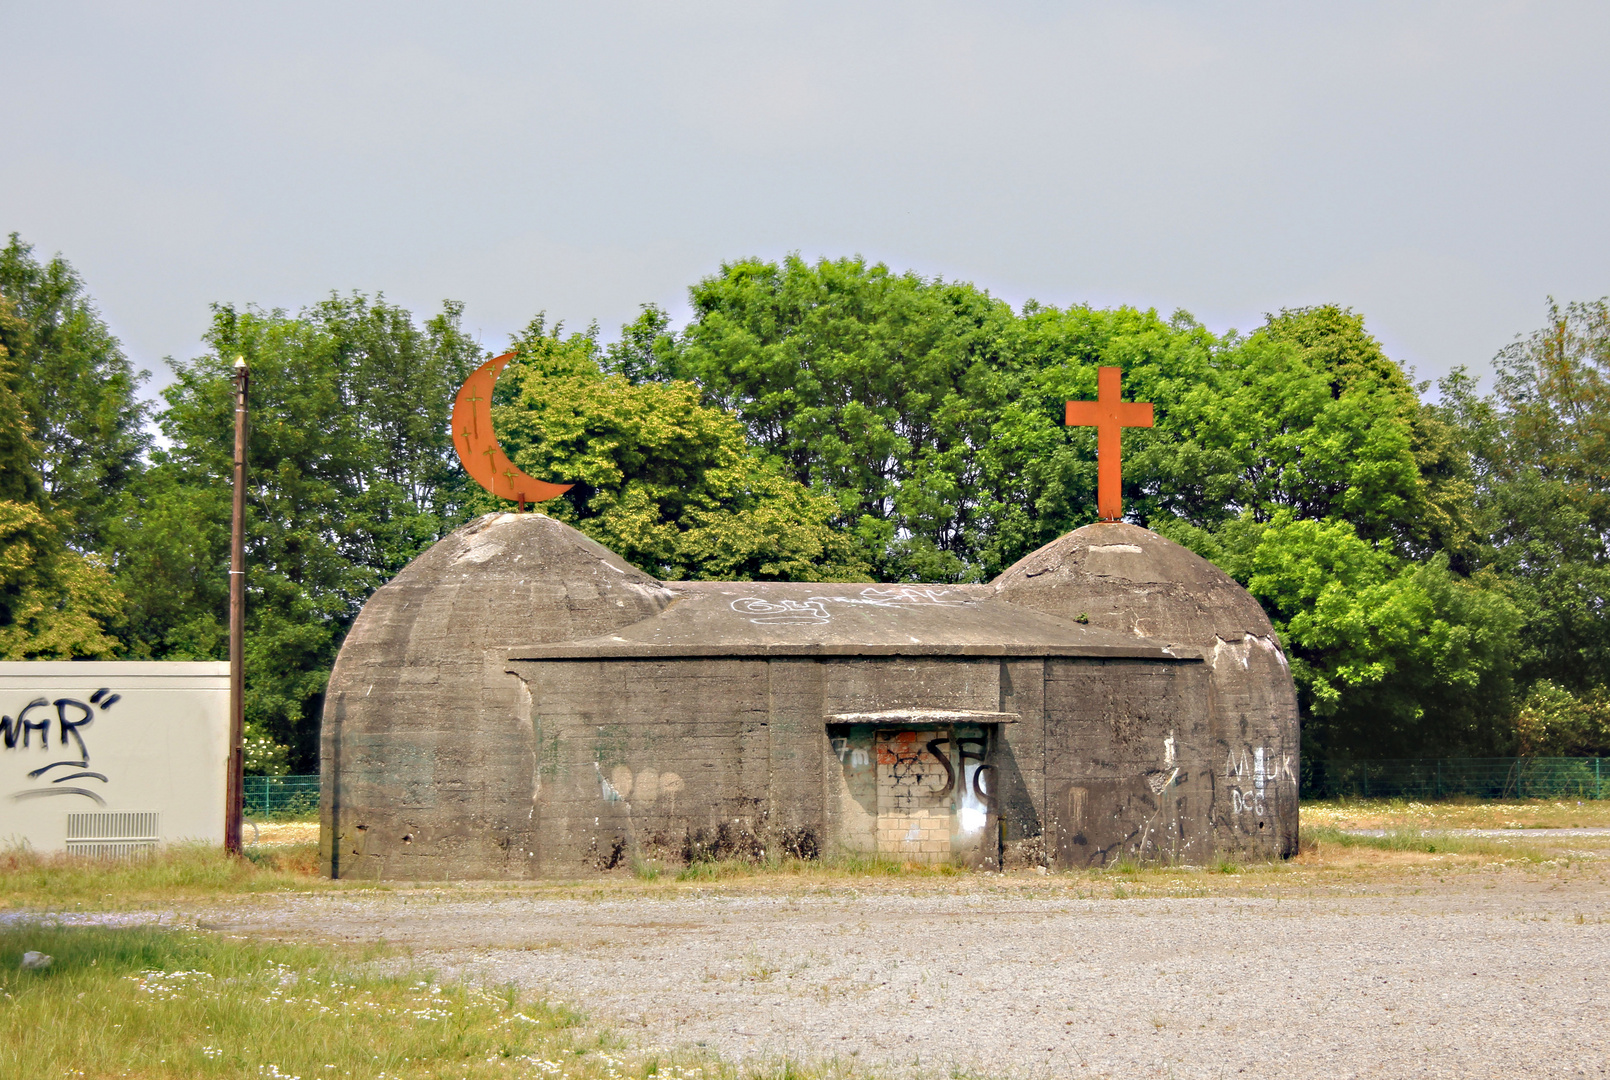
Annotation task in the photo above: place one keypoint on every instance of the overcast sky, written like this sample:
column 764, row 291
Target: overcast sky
column 1439, row 167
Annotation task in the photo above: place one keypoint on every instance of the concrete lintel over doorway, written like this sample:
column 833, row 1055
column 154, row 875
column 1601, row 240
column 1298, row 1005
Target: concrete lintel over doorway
column 923, row 717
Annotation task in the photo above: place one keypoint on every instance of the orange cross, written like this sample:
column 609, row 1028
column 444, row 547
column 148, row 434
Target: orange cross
column 1109, row 416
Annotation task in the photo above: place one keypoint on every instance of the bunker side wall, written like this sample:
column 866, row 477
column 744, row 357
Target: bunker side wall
column 427, row 765
column 1126, row 579
column 712, row 758
column 428, row 757
column 1020, row 763
column 1254, row 750
column 1128, row 772
column 598, row 763
column 656, row 760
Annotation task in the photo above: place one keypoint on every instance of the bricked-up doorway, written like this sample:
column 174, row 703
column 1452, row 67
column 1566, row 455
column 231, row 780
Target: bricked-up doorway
column 915, row 804
column 929, row 792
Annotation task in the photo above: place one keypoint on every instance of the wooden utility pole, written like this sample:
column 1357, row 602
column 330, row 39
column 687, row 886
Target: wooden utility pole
column 235, row 787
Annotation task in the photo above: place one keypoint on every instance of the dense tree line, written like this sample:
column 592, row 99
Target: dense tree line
column 1436, row 564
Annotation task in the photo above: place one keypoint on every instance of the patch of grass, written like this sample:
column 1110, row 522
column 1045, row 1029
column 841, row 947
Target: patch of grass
column 181, row 875
column 296, row 860
column 880, row 864
column 1414, row 840
column 831, row 867
column 284, row 815
column 165, row 1003
column 730, row 869
column 706, row 870
column 180, row 871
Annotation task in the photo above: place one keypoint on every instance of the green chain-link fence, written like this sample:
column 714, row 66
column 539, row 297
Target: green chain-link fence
column 1435, row 778
column 282, row 796
column 1403, row 778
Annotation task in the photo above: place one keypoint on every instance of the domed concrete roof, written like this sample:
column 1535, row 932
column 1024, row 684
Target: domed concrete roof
column 499, row 581
column 1124, row 578
column 420, row 691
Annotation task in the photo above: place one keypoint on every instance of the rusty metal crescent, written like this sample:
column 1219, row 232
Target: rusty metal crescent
column 478, row 448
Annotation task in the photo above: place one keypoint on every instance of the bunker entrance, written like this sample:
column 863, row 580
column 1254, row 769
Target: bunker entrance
column 922, row 794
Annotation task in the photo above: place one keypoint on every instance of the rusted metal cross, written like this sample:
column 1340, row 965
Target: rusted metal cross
column 1109, row 416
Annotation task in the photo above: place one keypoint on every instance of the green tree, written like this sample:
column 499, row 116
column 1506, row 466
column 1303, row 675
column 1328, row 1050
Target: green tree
column 349, row 478
column 1300, row 459
column 646, row 351
column 872, row 388
column 661, row 478
column 932, row 414
column 1390, row 656
column 1427, row 565
column 1540, row 466
column 1306, row 415
column 1553, row 722
column 1299, row 456
column 77, row 391
column 171, row 560
column 19, row 481
column 55, row 603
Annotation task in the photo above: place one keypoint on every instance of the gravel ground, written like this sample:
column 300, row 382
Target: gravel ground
column 1499, row 974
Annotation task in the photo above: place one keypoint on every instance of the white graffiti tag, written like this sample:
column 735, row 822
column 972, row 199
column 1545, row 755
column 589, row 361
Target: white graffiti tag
column 907, row 596
column 782, row 612
column 814, row 610
column 1264, row 769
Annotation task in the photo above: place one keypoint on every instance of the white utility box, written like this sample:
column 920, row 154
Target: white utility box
column 111, row 757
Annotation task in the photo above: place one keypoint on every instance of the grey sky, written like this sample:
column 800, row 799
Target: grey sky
column 1439, row 167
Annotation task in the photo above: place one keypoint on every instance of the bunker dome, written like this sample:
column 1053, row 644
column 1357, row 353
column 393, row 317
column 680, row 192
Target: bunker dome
column 520, row 702
column 1131, row 580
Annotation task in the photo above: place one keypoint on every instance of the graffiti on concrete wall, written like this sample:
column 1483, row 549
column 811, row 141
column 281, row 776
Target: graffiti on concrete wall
column 1251, row 774
column 1160, row 779
column 856, row 757
column 935, row 791
column 817, row 610
column 67, row 717
column 914, row 783
column 976, row 797
column 1143, row 815
column 645, row 786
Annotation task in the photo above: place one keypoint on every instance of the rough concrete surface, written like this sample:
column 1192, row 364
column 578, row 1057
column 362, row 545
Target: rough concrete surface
column 1500, row 976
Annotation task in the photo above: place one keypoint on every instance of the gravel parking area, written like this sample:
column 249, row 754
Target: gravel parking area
column 1492, row 975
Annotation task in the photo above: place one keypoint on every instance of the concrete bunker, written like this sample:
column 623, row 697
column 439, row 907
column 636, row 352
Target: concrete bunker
column 519, row 702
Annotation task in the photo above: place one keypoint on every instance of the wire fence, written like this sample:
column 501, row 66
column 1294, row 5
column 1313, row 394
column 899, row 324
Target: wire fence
column 282, row 796
column 1401, row 778
column 1436, row 778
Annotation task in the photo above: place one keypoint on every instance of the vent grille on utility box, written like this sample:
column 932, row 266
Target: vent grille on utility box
column 111, row 833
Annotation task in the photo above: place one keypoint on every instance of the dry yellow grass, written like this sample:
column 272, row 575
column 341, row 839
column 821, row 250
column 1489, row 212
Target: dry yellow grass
column 281, row 833
column 1394, row 814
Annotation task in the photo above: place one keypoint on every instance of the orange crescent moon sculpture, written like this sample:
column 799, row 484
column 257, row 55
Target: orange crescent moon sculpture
column 478, row 448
